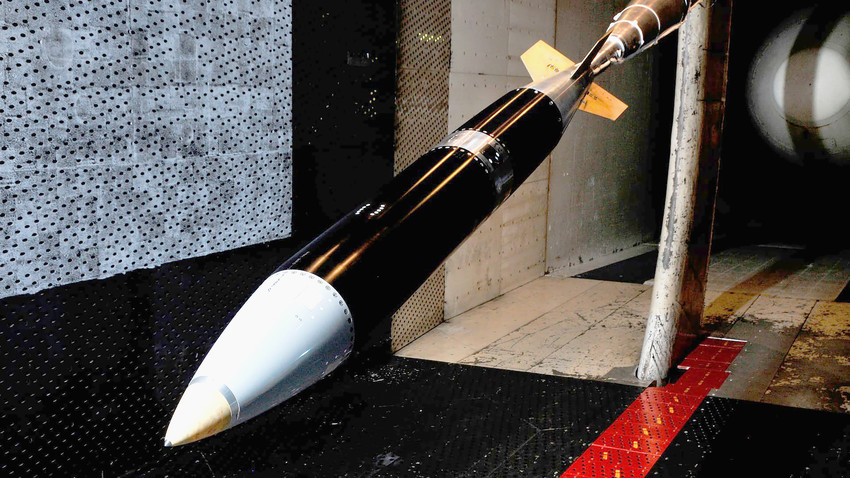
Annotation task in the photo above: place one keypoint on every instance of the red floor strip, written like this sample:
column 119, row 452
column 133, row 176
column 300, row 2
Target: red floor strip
column 638, row 437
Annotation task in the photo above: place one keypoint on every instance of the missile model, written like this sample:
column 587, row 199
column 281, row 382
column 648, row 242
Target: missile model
column 307, row 317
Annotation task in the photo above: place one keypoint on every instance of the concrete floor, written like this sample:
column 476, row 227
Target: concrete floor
column 781, row 303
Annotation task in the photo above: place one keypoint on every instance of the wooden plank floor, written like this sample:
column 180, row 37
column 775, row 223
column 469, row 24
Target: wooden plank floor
column 798, row 343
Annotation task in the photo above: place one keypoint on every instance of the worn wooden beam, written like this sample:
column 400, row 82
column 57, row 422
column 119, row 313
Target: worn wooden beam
column 678, row 294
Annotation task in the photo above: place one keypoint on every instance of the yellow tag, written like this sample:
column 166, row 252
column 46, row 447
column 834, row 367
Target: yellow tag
column 646, row 432
column 617, row 474
column 671, row 410
column 635, row 444
column 604, row 455
column 658, row 421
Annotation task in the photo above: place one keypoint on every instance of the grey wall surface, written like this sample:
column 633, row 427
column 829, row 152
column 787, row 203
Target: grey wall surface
column 599, row 183
column 139, row 132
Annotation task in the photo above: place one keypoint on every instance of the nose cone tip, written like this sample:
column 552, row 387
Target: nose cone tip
column 202, row 411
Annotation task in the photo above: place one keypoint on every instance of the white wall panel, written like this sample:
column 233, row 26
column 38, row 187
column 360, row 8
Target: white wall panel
column 523, row 238
column 473, row 271
column 529, row 21
column 480, row 36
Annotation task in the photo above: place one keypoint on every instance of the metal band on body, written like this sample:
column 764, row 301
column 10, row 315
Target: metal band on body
column 622, row 46
column 634, row 25
column 225, row 392
column 489, row 151
column 475, row 141
column 657, row 18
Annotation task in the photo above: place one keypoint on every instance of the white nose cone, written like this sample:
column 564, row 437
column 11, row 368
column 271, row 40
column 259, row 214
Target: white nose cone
column 292, row 331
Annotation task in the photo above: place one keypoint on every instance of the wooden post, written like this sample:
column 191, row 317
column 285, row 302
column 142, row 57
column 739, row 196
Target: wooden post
column 678, row 294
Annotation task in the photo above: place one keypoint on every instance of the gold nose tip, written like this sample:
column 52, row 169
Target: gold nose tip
column 202, row 411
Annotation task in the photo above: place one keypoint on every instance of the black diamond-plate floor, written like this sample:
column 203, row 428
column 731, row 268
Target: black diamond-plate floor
column 385, row 416
column 728, row 437
column 388, row 416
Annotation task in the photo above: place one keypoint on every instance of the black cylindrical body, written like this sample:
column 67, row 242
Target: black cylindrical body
column 643, row 21
column 638, row 26
column 379, row 254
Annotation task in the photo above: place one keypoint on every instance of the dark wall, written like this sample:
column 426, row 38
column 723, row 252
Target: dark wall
column 763, row 197
column 93, row 370
column 344, row 112
column 662, row 124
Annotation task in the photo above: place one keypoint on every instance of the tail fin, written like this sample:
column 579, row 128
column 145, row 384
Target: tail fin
column 543, row 61
column 601, row 103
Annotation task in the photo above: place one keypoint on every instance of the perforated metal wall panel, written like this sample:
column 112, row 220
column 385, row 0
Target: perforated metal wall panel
column 139, row 132
column 422, row 97
column 422, row 106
